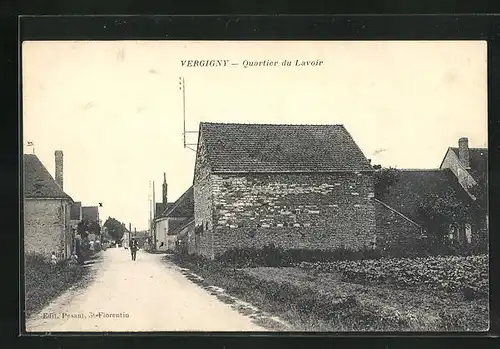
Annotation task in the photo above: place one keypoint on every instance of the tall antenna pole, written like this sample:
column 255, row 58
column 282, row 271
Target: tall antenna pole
column 183, row 88
column 149, row 218
column 154, row 215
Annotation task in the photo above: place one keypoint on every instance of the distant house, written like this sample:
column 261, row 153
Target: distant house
column 186, row 238
column 90, row 213
column 294, row 186
column 125, row 238
column 160, row 220
column 76, row 214
column 399, row 206
column 460, row 182
column 47, row 209
column 175, row 216
column 90, row 219
column 470, row 166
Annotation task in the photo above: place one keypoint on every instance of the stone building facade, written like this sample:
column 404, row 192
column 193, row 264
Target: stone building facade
column 294, row 186
column 46, row 209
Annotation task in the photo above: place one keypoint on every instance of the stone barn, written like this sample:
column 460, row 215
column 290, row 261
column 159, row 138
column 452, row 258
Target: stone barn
column 294, row 186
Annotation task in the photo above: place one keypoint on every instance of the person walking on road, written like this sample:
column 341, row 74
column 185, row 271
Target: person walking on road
column 133, row 248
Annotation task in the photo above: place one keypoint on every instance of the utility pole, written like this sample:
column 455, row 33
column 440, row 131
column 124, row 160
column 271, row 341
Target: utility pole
column 149, row 218
column 154, row 216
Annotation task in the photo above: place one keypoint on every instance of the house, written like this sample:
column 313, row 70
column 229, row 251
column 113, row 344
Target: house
column 160, row 221
column 76, row 214
column 186, row 236
column 90, row 213
column 125, row 240
column 458, row 189
column 294, row 186
column 47, row 209
column 470, row 166
column 401, row 216
column 91, row 222
column 176, row 215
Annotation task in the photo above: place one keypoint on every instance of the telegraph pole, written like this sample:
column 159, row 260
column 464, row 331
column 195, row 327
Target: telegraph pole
column 154, row 216
column 150, row 227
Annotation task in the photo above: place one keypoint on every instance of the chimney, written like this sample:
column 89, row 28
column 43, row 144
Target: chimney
column 463, row 151
column 59, row 167
column 164, row 196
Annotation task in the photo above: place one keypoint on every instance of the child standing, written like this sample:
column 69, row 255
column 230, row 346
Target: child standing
column 53, row 258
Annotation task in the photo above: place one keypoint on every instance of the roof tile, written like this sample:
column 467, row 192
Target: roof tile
column 281, row 148
column 38, row 183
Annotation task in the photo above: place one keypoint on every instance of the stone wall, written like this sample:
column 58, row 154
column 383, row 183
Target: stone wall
column 393, row 230
column 47, row 227
column 307, row 211
column 203, row 209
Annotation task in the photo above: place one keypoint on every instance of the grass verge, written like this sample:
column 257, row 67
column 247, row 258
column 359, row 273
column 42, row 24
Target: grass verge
column 44, row 282
column 325, row 302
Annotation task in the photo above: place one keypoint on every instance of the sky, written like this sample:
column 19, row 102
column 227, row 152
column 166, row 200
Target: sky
column 115, row 107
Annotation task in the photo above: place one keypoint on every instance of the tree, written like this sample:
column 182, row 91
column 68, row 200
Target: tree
column 90, row 227
column 384, row 178
column 439, row 211
column 115, row 228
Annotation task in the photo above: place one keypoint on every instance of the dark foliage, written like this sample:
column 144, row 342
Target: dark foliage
column 90, row 227
column 44, row 282
column 115, row 228
column 272, row 256
column 384, row 178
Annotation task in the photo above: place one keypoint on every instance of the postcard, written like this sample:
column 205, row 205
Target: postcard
column 255, row 186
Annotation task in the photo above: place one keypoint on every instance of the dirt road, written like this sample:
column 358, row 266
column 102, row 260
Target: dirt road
column 145, row 295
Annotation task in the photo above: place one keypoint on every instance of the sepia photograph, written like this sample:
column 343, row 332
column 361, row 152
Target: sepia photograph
column 255, row 186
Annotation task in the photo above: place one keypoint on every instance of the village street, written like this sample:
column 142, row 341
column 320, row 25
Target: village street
column 145, row 295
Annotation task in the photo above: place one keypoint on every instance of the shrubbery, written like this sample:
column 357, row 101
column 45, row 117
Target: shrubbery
column 44, row 281
column 451, row 273
column 272, row 256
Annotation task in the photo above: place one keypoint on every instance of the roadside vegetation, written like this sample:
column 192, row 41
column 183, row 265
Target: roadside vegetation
column 44, row 282
column 354, row 292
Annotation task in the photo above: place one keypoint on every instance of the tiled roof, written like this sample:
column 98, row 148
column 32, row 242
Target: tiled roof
column 184, row 224
column 90, row 213
column 161, row 207
column 478, row 161
column 414, row 187
column 281, row 148
column 38, row 183
column 184, row 206
column 175, row 225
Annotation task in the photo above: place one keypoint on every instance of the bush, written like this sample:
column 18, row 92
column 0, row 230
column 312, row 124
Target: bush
column 451, row 273
column 44, row 281
column 272, row 256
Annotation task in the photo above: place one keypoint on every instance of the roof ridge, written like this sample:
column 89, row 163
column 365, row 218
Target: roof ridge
column 472, row 148
column 264, row 124
column 420, row 169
